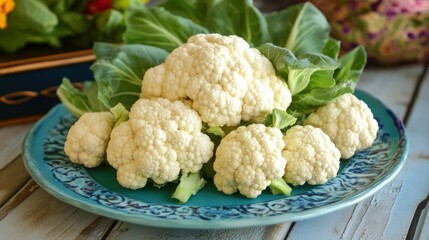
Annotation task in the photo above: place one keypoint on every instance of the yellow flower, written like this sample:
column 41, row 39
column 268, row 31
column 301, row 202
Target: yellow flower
column 6, row 6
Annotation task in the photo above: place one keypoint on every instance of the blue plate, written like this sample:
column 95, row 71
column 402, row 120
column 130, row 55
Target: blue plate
column 96, row 190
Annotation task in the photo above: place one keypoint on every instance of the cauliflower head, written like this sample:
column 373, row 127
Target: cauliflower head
column 87, row 139
column 160, row 139
column 349, row 123
column 311, row 156
column 223, row 79
column 248, row 159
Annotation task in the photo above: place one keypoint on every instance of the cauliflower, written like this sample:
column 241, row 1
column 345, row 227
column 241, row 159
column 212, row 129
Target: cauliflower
column 221, row 77
column 348, row 122
column 160, row 140
column 311, row 156
column 87, row 139
column 248, row 159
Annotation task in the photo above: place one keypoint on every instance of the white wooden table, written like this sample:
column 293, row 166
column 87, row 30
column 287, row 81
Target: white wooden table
column 28, row 212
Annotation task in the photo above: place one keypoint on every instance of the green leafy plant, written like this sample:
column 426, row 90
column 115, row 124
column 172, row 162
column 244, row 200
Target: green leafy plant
column 64, row 22
column 119, row 71
column 300, row 28
column 80, row 101
column 158, row 27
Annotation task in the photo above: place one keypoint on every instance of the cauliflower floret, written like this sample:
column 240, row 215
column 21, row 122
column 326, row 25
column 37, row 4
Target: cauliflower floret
column 160, row 140
column 225, row 80
column 87, row 139
column 248, row 159
column 311, row 156
column 349, row 123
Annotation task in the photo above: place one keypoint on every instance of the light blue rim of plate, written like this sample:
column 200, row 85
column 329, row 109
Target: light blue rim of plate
column 363, row 175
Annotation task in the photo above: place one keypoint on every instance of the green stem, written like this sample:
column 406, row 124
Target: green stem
column 189, row 185
column 279, row 186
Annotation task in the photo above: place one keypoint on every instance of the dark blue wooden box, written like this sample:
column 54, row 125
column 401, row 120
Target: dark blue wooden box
column 27, row 87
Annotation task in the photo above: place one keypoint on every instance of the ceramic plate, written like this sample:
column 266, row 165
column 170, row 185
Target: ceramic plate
column 96, row 190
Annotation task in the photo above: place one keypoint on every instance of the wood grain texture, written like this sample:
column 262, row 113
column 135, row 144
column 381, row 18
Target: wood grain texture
column 131, row 231
column 52, row 59
column 394, row 87
column 416, row 171
column 36, row 65
column 11, row 142
column 12, row 172
column 17, row 199
column 424, row 234
column 10, row 185
column 41, row 216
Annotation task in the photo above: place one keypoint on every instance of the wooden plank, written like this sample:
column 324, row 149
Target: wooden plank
column 132, row 231
column 278, row 231
column 41, row 216
column 60, row 60
column 394, row 87
column 10, row 142
column 415, row 188
column 18, row 198
column 424, row 234
column 10, row 185
column 53, row 60
column 416, row 182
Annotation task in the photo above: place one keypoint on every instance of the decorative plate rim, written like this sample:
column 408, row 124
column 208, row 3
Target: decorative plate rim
column 70, row 197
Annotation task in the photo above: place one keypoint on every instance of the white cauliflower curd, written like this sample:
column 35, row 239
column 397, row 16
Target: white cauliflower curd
column 311, row 156
column 224, row 79
column 160, row 140
column 248, row 159
column 349, row 123
column 87, row 139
